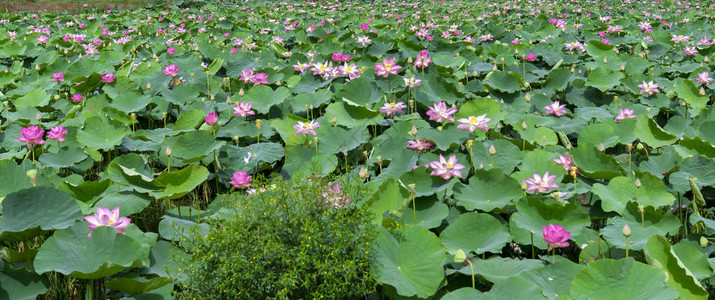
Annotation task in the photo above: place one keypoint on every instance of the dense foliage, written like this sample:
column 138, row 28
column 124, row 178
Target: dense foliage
column 551, row 149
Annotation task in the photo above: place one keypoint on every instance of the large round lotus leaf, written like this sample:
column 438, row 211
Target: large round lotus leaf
column 539, row 162
column 176, row 229
column 410, row 261
column 359, row 92
column 508, row 82
column 351, row 116
column 660, row 165
column 20, row 284
column 700, row 169
column 655, row 222
column 511, row 288
column 448, row 136
column 13, row 177
column 429, row 212
column 189, row 120
column 555, row 279
column 129, row 202
column 651, row 134
column 105, row 253
column 533, row 213
column 101, row 134
column 622, row 190
column 176, row 184
column 193, row 146
column 660, row 255
column 425, row 184
column 594, row 163
column 138, row 285
column 488, row 190
column 507, row 156
column 688, row 92
column 389, row 197
column 475, row 232
column 65, row 157
column 250, row 157
column 598, row 133
column 301, row 102
column 603, row 78
column 335, row 139
column 499, row 269
column 161, row 261
column 694, row 259
column 434, row 89
column 626, row 279
column 481, row 106
column 45, row 208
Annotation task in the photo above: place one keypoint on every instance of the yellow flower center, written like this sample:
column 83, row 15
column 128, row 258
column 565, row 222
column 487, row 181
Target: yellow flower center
column 387, row 66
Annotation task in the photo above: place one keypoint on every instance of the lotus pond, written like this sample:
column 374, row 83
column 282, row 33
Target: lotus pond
column 389, row 150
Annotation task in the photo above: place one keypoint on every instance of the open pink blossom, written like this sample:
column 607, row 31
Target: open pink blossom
column 170, row 51
column 649, row 87
column 392, row 108
column 690, row 51
column 260, row 78
column 412, row 82
column 440, row 113
column 446, row 168
column 104, row 217
column 58, row 77
column 567, row 163
column 171, row 70
column 540, row 184
column 350, row 70
column 240, row 180
column 243, row 109
column 419, row 145
column 625, row 114
column 555, row 108
column 211, row 119
column 32, row 135
column 387, row 67
column 556, row 236
column 77, row 98
column 422, row 60
column 246, row 75
column 107, row 77
column 704, row 78
column 472, row 123
column 306, row 127
column 530, row 57
column 57, row 133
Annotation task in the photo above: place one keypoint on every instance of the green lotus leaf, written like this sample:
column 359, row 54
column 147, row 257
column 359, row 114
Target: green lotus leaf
column 660, row 255
column 429, row 212
column 425, row 184
column 698, row 147
column 129, row 202
column 246, row 158
column 435, row 89
column 507, row 157
column 130, row 101
column 389, row 197
column 660, row 165
column 21, row 284
column 351, row 116
column 598, row 133
column 611, row 279
column 410, row 261
column 320, row 164
column 315, row 100
column 44, row 208
column 488, row 190
column 138, row 285
column 181, row 94
column 334, row 139
column 106, row 252
column 651, row 134
column 508, row 82
column 594, row 163
column 360, row 92
column 65, row 157
column 693, row 258
column 448, row 136
column 480, row 106
column 263, row 97
column 101, row 134
column 557, row 80
column 161, row 262
column 603, row 78
column 499, row 269
column 34, row 98
column 533, row 213
column 189, row 120
column 555, row 279
column 688, row 92
column 176, row 184
column 709, row 224
column 512, row 288
column 700, row 169
column 653, row 222
column 541, row 136
column 13, row 177
column 193, row 146
column 598, row 49
column 176, row 229
column 475, row 232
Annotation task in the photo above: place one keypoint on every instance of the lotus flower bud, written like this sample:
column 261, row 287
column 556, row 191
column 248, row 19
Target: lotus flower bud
column 639, row 146
column 706, row 59
column 379, row 161
column 623, row 67
column 704, row 242
column 228, row 99
column 37, row 67
column 133, row 116
column 469, row 143
column 363, row 172
column 626, row 230
column 258, row 123
column 241, row 93
column 605, row 60
column 409, row 60
column 494, row 68
column 492, row 150
column 460, row 256
column 38, row 116
column 702, row 91
column 527, row 97
column 638, row 182
column 148, row 85
column 168, row 151
column 601, row 147
column 56, row 97
column 523, row 125
column 629, row 147
column 335, row 121
column 413, row 131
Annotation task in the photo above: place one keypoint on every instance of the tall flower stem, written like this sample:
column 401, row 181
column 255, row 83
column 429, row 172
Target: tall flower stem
column 553, row 256
column 533, row 254
column 471, row 269
column 626, row 247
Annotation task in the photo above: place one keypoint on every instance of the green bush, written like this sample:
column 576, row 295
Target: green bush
column 287, row 242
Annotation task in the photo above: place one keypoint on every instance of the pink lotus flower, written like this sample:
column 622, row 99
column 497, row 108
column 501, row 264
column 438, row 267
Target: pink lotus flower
column 171, row 70
column 392, row 108
column 625, row 114
column 301, row 67
column 540, row 184
column 649, row 87
column 575, row 46
column 211, row 119
column 387, row 68
column 690, row 51
column 246, row 75
column 240, row 180
column 32, row 135
column 57, row 133
column 556, row 236
column 339, row 57
column 472, row 123
column 440, row 112
column 350, row 70
column 555, row 109
column 107, row 77
column 260, row 78
column 530, row 57
column 567, row 163
column 77, row 98
column 243, row 109
column 104, row 217
column 446, row 168
column 306, row 128
column 420, row 145
column 679, row 39
column 412, row 82
column 704, row 78
column 422, row 60
column 58, row 77
column 171, row 51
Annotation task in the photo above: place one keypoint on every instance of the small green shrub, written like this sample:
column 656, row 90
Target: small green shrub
column 286, row 242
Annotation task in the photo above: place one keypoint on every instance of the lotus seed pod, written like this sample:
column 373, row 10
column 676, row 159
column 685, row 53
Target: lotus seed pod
column 704, row 242
column 639, row 146
column 460, row 256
